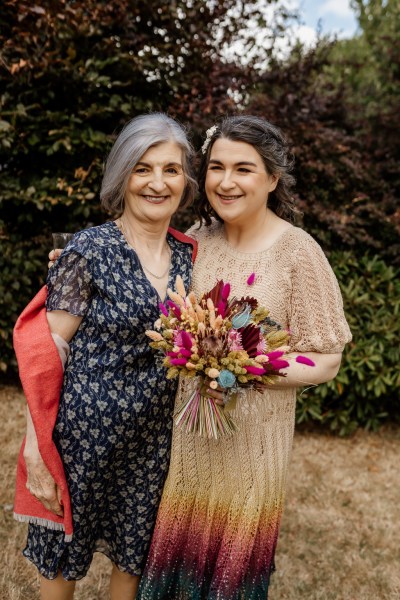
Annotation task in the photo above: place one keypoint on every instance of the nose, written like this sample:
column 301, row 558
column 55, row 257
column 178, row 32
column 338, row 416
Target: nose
column 226, row 182
column 157, row 182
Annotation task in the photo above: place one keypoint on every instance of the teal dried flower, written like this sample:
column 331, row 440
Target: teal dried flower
column 226, row 379
column 242, row 318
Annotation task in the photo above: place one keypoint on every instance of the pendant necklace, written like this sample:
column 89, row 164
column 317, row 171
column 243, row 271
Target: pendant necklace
column 123, row 231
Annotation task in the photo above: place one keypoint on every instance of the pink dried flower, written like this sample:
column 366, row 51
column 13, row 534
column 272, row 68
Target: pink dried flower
column 304, row 360
column 226, row 290
column 278, row 364
column 185, row 352
column 251, row 279
column 163, row 309
column 187, row 340
column 275, row 354
column 254, row 370
column 262, row 345
column 178, row 361
column 175, row 309
column 235, row 340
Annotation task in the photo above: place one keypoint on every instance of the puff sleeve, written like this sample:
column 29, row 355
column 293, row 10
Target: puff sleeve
column 316, row 318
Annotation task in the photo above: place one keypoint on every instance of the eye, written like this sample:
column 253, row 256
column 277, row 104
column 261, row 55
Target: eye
column 244, row 170
column 173, row 170
column 140, row 170
column 214, row 168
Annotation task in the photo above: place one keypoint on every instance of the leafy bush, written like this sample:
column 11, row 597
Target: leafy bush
column 366, row 391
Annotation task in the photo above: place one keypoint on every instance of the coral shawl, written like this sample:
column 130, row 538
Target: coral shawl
column 41, row 374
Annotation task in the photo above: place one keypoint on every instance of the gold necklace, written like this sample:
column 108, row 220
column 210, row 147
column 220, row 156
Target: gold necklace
column 123, row 231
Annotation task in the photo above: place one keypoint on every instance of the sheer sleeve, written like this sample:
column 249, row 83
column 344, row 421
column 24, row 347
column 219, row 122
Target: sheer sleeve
column 316, row 318
column 70, row 281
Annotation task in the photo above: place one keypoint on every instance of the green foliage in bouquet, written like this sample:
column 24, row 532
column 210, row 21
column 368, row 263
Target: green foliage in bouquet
column 366, row 391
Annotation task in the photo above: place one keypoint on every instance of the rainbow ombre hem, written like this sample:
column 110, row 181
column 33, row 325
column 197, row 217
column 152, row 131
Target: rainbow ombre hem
column 208, row 551
column 218, row 522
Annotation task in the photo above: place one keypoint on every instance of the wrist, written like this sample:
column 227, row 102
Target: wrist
column 31, row 445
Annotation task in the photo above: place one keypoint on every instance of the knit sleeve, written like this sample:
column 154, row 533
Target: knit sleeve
column 316, row 318
column 70, row 281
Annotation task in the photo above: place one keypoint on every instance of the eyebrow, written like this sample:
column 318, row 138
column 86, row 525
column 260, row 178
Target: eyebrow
column 170, row 164
column 239, row 164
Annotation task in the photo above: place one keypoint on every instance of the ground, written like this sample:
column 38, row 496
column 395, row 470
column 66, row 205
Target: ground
column 340, row 532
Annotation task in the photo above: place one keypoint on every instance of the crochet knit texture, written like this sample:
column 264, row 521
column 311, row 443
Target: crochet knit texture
column 220, row 513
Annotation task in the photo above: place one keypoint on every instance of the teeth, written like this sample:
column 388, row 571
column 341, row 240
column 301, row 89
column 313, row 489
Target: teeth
column 229, row 197
column 155, row 198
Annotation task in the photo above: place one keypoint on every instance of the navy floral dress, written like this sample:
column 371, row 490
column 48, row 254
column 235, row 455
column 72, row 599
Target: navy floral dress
column 113, row 429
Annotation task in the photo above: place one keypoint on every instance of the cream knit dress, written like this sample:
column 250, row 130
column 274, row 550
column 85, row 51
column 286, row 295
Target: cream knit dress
column 221, row 508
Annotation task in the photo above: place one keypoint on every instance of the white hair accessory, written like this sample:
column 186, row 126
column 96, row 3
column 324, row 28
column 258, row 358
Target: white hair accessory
column 209, row 133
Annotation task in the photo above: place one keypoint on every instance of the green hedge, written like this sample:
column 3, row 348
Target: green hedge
column 366, row 391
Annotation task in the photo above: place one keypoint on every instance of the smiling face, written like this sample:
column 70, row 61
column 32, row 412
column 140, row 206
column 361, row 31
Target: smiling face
column 156, row 185
column 237, row 183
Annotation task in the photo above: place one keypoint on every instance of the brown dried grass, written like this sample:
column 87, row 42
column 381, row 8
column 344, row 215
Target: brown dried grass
column 340, row 533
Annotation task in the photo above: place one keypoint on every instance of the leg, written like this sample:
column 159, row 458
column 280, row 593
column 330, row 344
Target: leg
column 122, row 585
column 56, row 589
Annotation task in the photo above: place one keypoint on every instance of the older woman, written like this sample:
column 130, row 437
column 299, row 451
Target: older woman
column 219, row 517
column 113, row 423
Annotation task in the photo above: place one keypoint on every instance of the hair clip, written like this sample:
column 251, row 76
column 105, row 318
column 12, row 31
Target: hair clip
column 209, row 133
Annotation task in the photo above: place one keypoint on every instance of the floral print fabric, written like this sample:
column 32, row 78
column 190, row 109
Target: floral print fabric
column 113, row 428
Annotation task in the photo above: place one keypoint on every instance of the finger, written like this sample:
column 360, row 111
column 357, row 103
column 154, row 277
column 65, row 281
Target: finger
column 53, row 504
column 53, row 507
column 50, row 501
column 52, row 256
column 215, row 394
column 50, row 264
column 59, row 496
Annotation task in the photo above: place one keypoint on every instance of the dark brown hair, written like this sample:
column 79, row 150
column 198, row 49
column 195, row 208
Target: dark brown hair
column 271, row 145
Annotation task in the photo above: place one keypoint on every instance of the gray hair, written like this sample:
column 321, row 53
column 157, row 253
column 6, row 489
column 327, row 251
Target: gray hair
column 270, row 144
column 140, row 134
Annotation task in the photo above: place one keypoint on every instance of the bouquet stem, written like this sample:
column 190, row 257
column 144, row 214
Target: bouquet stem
column 202, row 415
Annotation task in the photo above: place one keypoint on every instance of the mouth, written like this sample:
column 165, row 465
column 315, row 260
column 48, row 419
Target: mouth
column 155, row 199
column 229, row 199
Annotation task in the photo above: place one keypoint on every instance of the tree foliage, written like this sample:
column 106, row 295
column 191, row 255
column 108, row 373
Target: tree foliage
column 347, row 171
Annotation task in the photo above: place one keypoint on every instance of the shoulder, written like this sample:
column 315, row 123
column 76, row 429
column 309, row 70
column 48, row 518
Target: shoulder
column 201, row 232
column 89, row 240
column 298, row 243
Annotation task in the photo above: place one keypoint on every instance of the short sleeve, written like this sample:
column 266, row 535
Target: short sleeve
column 316, row 317
column 70, row 281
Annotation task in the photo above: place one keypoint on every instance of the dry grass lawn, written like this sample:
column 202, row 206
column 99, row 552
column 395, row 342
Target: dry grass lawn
column 340, row 538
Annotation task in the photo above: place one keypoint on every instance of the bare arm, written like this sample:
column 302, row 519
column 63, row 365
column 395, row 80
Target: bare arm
column 63, row 323
column 300, row 375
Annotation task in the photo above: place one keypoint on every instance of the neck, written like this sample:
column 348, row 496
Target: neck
column 148, row 235
column 255, row 234
column 242, row 234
